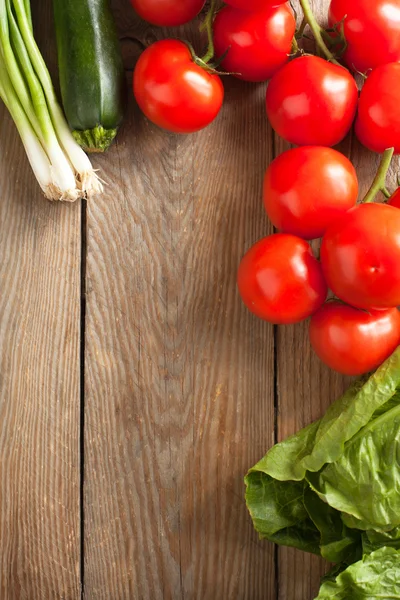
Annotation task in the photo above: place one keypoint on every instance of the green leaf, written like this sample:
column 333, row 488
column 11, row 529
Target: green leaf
column 352, row 412
column 364, row 482
column 321, row 488
column 373, row 540
column 323, row 442
column 337, row 542
column 374, row 577
column 278, row 512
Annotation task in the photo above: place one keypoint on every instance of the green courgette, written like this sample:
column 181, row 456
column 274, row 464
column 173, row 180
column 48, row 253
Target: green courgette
column 90, row 70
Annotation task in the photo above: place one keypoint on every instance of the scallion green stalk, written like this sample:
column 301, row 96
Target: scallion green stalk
column 34, row 150
column 14, row 71
column 64, row 177
column 87, row 178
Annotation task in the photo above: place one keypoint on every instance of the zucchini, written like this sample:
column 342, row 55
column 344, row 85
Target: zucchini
column 90, row 70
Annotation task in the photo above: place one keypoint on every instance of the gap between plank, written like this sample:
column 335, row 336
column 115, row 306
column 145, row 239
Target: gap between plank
column 82, row 397
column 276, row 396
column 276, row 408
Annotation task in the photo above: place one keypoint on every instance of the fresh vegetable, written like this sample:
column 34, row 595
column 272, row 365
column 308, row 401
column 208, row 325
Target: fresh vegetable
column 332, row 488
column 62, row 169
column 173, row 91
column 254, row 5
column 311, row 102
column 306, row 189
column 280, row 281
column 168, row 13
column 371, row 29
column 360, row 257
column 258, row 43
column 375, row 576
column 91, row 71
column 378, row 119
column 353, row 341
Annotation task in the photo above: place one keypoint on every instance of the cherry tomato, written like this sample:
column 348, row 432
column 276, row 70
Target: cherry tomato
column 371, row 29
column 352, row 341
column 378, row 119
column 253, row 5
column 173, row 91
column 306, row 189
column 280, row 281
column 259, row 42
column 394, row 199
column 311, row 102
column 168, row 13
column 360, row 256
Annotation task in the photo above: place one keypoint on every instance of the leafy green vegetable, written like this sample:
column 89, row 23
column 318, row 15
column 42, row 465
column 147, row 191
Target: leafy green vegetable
column 333, row 488
column 365, row 481
column 374, row 577
column 373, row 540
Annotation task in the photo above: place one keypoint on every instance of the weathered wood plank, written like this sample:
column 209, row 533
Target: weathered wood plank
column 39, row 377
column 179, row 377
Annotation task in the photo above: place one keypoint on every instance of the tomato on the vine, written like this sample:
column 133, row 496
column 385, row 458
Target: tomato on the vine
column 168, row 13
column 254, row 5
column 360, row 256
column 257, row 43
column 311, row 102
column 306, row 189
column 371, row 29
column 353, row 341
column 378, row 119
column 173, row 91
column 280, row 280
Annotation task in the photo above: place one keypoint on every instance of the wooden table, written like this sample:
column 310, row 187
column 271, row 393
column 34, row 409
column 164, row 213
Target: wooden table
column 135, row 389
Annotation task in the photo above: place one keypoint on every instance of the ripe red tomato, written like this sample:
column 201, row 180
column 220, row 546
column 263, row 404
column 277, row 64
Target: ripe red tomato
column 280, row 281
column 311, row 102
column 174, row 92
column 306, row 189
column 168, row 13
column 394, row 199
column 371, row 29
column 259, row 42
column 253, row 5
column 353, row 341
column 360, row 256
column 378, row 118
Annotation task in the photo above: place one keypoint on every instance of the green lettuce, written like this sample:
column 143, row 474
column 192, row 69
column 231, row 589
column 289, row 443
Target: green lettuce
column 333, row 489
column 376, row 576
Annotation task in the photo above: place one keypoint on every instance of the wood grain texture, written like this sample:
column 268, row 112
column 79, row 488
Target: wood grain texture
column 39, row 377
column 179, row 377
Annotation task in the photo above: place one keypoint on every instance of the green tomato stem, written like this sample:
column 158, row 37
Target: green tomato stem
column 317, row 31
column 207, row 26
column 300, row 31
column 379, row 183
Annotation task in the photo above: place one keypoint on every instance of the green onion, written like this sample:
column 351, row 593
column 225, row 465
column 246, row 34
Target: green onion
column 62, row 169
column 34, row 150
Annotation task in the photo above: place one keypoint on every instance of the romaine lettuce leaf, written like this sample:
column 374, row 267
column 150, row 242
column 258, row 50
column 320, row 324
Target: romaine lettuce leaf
column 323, row 488
column 364, row 483
column 374, row 577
